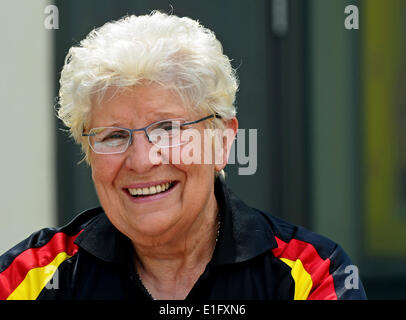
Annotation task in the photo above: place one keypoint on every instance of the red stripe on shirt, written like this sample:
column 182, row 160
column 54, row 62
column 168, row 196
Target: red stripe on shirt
column 11, row 277
column 318, row 268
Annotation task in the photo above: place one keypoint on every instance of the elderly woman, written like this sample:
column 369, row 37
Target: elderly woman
column 167, row 228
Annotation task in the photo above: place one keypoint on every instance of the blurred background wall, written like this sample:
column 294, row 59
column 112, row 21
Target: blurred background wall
column 27, row 130
column 329, row 104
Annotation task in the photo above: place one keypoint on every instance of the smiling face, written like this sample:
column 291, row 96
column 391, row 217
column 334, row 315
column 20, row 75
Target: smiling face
column 171, row 199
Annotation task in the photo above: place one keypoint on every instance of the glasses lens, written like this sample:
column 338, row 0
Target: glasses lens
column 109, row 140
column 166, row 133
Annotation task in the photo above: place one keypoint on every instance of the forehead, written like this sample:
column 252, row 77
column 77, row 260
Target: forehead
column 137, row 105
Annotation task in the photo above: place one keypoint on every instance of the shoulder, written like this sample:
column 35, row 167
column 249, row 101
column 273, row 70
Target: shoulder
column 27, row 267
column 319, row 266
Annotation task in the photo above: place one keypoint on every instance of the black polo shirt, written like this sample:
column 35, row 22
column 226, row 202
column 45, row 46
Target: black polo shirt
column 257, row 256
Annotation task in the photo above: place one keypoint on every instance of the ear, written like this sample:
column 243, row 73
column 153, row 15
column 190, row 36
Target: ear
column 227, row 137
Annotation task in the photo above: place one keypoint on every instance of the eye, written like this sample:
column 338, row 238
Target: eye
column 115, row 135
column 169, row 125
column 110, row 137
column 162, row 133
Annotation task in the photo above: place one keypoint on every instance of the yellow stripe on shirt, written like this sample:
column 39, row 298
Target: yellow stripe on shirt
column 303, row 280
column 36, row 279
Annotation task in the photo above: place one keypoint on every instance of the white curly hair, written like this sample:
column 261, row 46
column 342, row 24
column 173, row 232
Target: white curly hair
column 175, row 52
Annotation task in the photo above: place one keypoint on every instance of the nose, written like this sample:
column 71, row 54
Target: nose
column 141, row 155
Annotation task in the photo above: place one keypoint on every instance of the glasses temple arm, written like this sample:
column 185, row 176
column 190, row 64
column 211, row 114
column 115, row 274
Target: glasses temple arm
column 202, row 119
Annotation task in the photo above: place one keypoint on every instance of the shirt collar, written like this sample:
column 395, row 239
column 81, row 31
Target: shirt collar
column 101, row 239
column 244, row 233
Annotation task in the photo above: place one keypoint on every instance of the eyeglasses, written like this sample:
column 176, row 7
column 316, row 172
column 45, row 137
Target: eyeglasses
column 163, row 134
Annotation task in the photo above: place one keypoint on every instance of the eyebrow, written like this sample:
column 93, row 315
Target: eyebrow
column 160, row 116
column 167, row 115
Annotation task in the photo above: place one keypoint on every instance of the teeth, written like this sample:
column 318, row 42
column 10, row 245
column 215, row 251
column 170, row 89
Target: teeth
column 151, row 190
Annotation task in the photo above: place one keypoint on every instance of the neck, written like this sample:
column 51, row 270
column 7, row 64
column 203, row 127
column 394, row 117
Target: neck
column 169, row 270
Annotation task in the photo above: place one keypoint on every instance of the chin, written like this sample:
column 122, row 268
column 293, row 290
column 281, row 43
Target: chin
column 151, row 224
